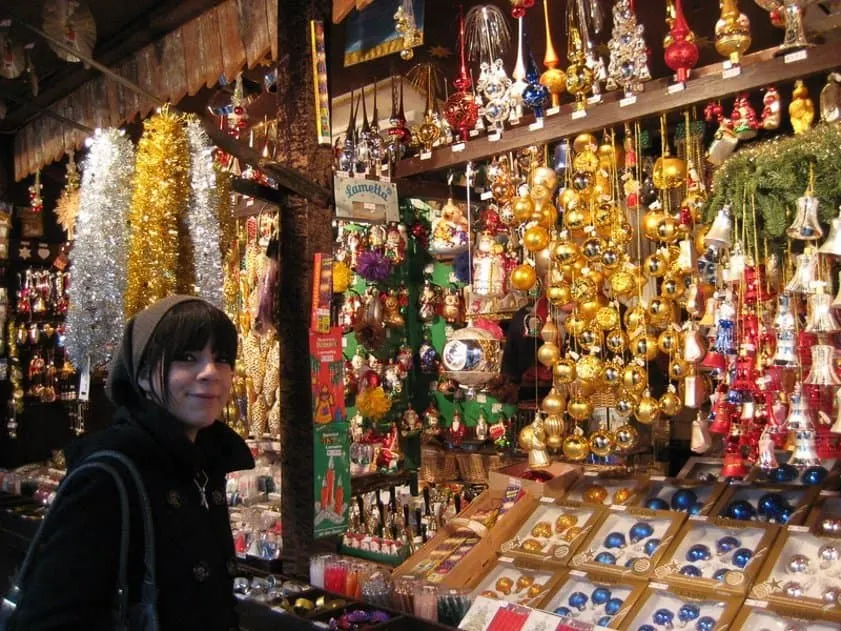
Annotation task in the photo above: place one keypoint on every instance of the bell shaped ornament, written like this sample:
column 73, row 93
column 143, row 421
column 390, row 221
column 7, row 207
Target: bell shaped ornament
column 735, row 269
column 701, row 439
column 708, row 318
column 694, row 347
column 694, row 392
column 734, row 464
column 806, row 226
column 722, row 420
column 805, row 273
column 785, row 354
column 804, row 453
column 799, row 416
column 820, row 318
column 832, row 245
column 836, row 427
column 767, row 457
column 822, row 372
column 720, row 234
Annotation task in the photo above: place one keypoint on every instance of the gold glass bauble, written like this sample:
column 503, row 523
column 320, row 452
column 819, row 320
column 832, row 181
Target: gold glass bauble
column 615, row 340
column 622, row 233
column 626, row 437
column 532, row 546
column 585, row 162
column 595, row 494
column 669, row 172
column 700, row 234
column 504, row 585
column 526, row 437
column 549, row 332
column 655, row 265
column 623, row 283
column 542, row 529
column 553, row 404
column 548, row 354
column 565, row 521
column 634, row 378
column 597, row 278
column 559, row 295
column 622, row 495
column 611, row 375
column 581, row 389
column 579, row 409
column 588, row 368
column 554, row 424
column 625, row 404
column 582, row 183
column 576, row 447
column 607, row 156
column 536, row 238
column 672, row 286
column 564, row 370
column 544, row 176
column 592, row 248
column 611, row 257
column 661, row 311
column 645, row 346
column 635, row 318
column 539, row 193
column 568, row 199
column 583, row 290
column 588, row 310
column 575, row 324
column 555, row 442
column 670, row 403
column 607, row 318
column 524, row 581
column 668, row 341
column 650, row 220
column 572, row 533
column 523, row 207
column 575, row 218
column 732, row 31
column 667, row 231
column 503, row 191
column 565, row 252
column 679, row 369
column 523, row 277
column 585, row 142
column 647, row 409
column 590, row 337
column 548, row 216
column 601, row 442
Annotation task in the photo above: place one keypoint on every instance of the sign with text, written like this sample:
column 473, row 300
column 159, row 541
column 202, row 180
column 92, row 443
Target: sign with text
column 360, row 199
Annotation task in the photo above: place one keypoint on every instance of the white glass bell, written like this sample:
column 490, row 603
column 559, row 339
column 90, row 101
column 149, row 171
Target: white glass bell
column 820, row 318
column 804, row 454
column 701, row 439
column 767, row 458
column 806, row 225
column 720, row 234
column 805, row 273
column 832, row 245
column 799, row 416
column 823, row 372
column 694, row 348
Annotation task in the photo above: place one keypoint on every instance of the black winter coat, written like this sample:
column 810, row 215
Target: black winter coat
column 72, row 583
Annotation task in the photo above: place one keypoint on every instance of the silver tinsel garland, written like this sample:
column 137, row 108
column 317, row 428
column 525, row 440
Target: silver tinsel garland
column 203, row 217
column 98, row 259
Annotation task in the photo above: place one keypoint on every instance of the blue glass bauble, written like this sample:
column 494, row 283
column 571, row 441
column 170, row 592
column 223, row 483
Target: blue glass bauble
column 707, row 623
column 683, row 499
column 813, row 476
column 563, row 611
column 783, row 473
column 578, row 600
column 663, row 617
column 606, row 558
column 613, row 606
column 656, row 503
column 698, row 552
column 785, row 513
column 600, row 595
column 688, row 612
column 646, row 627
column 740, row 509
column 769, row 505
column 614, row 540
column 604, row 621
column 727, row 544
column 651, row 546
column 741, row 557
column 691, row 570
column 696, row 508
column 640, row 531
column 719, row 574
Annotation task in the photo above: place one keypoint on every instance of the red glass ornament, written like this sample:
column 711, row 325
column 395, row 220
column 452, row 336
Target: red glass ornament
column 371, row 379
column 461, row 110
column 735, row 465
column 723, row 413
column 680, row 50
column 239, row 110
column 755, row 286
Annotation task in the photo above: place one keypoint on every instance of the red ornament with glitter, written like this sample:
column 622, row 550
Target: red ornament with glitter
column 461, row 110
column 680, row 50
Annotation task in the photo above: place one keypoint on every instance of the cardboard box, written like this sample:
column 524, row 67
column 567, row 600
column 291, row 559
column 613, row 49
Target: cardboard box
column 656, row 596
column 830, row 483
column 826, row 507
column 632, row 560
column 759, row 614
column 627, row 591
column 701, row 468
column 783, row 588
column 563, row 475
column 800, row 498
column 721, row 573
column 517, row 581
column 609, row 486
column 567, row 526
column 661, row 487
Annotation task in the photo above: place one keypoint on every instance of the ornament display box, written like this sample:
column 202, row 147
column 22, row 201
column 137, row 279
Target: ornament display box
column 758, row 614
column 490, row 614
column 702, row 468
column 826, row 507
column 553, row 531
column 832, row 482
column 629, row 542
column 446, row 559
column 605, row 488
column 701, row 498
column 606, row 596
column 767, row 501
column 517, row 581
column 717, row 611
column 802, row 573
column 717, row 555
column 563, row 476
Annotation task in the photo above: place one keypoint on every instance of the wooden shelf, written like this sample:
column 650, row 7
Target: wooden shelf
column 706, row 84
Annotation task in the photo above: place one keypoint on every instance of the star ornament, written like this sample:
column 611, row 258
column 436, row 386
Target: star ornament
column 440, row 52
column 24, row 253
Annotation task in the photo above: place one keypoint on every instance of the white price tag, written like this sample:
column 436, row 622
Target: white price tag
column 799, row 55
column 496, row 408
column 538, row 124
column 547, row 500
column 514, row 122
column 762, row 604
column 726, row 65
column 494, row 137
column 698, row 518
column 798, row 528
column 506, row 560
column 553, row 110
column 735, row 71
column 578, row 573
column 369, row 206
column 452, row 278
column 596, row 98
column 426, row 155
column 658, row 586
column 449, row 330
column 481, row 398
column 344, row 342
column 486, row 196
column 458, row 147
column 473, row 133
column 658, row 478
column 578, row 114
column 675, row 88
column 619, row 507
column 628, row 100
column 85, row 381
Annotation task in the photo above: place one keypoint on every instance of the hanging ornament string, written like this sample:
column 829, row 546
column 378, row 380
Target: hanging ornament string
column 160, row 197
column 95, row 313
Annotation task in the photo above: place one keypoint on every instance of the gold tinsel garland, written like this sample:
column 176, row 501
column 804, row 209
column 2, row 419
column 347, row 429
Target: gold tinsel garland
column 67, row 206
column 159, row 202
column 229, row 245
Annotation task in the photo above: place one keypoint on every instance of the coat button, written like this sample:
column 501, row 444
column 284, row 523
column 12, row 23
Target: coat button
column 218, row 496
column 173, row 498
column 200, row 572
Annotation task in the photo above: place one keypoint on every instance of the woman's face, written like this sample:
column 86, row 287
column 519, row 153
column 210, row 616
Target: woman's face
column 199, row 385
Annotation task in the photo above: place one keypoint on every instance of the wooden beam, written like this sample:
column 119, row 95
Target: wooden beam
column 709, row 83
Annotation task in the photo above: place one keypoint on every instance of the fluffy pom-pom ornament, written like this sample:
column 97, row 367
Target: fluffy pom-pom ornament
column 373, row 266
column 342, row 277
column 373, row 403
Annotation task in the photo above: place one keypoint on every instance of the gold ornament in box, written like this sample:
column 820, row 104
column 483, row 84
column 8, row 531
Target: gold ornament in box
column 595, row 494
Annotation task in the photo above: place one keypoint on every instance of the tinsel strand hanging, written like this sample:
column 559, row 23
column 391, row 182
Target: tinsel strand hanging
column 229, row 245
column 160, row 198
column 98, row 259
column 203, row 224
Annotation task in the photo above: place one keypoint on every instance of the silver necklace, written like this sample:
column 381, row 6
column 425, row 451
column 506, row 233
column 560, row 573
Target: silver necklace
column 202, row 488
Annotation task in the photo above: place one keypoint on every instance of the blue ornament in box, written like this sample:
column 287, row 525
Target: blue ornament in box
column 614, row 540
column 692, row 571
column 651, row 546
column 683, row 499
column 604, row 621
column 663, row 617
column 698, row 552
column 656, row 503
column 646, row 627
column 600, row 595
column 814, row 476
column 688, row 612
column 720, row 573
column 640, row 531
column 726, row 544
column 770, row 504
column 563, row 611
column 785, row 514
column 741, row 557
column 605, row 558
column 783, row 473
column 613, row 606
column 740, row 509
column 707, row 623
column 696, row 508
column 578, row 600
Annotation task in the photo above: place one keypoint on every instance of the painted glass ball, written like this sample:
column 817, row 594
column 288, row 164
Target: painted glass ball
column 707, row 623
column 656, row 503
column 741, row 557
column 651, row 545
column 600, row 595
column 615, row 540
column 683, row 499
column 606, row 558
column 740, row 509
column 663, row 616
column 727, row 544
column 640, row 531
column 563, row 611
column 578, row 600
column 691, row 570
column 613, row 606
column 688, row 612
column 698, row 552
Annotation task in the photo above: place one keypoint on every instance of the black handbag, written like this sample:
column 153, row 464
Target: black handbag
column 143, row 616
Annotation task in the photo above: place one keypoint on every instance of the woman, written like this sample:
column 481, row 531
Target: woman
column 170, row 382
